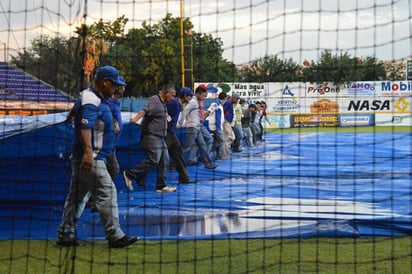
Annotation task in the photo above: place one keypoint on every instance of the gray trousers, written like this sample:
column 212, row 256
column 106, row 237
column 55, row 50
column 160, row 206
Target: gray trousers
column 99, row 184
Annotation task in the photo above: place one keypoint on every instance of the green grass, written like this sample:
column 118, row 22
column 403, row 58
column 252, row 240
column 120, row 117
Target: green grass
column 315, row 255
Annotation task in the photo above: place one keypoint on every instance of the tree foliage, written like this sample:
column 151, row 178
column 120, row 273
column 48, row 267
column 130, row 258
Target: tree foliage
column 270, row 69
column 343, row 68
column 150, row 57
column 53, row 60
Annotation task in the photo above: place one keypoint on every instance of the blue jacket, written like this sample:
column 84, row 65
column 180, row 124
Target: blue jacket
column 173, row 110
column 117, row 118
column 228, row 111
column 214, row 121
column 92, row 112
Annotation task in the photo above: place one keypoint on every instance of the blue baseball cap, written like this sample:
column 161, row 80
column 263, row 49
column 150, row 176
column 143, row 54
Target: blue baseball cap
column 122, row 79
column 111, row 73
column 187, row 91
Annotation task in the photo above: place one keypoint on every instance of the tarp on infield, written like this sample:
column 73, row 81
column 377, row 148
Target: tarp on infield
column 290, row 185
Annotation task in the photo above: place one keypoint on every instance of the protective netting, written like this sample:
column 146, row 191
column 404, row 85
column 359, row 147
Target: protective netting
column 335, row 64
column 285, row 187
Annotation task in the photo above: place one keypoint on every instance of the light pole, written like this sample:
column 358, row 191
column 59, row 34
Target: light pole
column 182, row 43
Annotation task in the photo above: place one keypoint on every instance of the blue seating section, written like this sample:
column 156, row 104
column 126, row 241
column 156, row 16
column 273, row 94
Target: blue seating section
column 18, row 85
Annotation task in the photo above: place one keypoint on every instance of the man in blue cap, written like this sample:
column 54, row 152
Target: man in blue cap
column 112, row 162
column 93, row 143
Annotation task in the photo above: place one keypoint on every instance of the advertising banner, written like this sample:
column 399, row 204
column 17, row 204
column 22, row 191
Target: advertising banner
column 350, row 120
column 339, row 105
column 315, row 120
column 278, row 121
column 36, row 105
column 395, row 88
column 323, row 90
column 244, row 90
column 359, row 89
column 286, row 90
column 376, row 105
column 326, row 104
column 303, row 105
column 390, row 119
column 409, row 70
column 284, row 105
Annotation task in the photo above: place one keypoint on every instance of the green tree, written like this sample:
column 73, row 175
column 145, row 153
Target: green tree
column 100, row 43
column 208, row 63
column 162, row 57
column 270, row 69
column 54, row 60
column 150, row 56
column 343, row 68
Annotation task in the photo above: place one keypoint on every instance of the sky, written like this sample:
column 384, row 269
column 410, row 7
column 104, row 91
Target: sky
column 249, row 29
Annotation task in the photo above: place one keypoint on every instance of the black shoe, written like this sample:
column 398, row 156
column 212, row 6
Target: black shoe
column 210, row 166
column 122, row 242
column 69, row 243
column 190, row 163
column 189, row 181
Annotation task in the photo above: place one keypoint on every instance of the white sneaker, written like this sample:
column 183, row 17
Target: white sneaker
column 166, row 189
column 129, row 183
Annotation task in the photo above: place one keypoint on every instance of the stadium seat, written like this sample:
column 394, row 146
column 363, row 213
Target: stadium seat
column 18, row 85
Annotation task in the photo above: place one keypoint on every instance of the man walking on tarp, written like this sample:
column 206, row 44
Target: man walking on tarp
column 93, row 143
column 174, row 108
column 154, row 129
column 190, row 119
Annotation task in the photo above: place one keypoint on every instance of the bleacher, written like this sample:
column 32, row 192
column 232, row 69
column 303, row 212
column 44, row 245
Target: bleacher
column 23, row 94
column 18, row 85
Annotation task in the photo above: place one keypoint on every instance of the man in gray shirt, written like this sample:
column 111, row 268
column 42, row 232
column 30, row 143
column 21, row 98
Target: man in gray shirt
column 190, row 119
column 154, row 129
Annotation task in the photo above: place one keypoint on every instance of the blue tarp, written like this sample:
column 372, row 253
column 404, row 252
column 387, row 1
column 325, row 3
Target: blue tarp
column 291, row 185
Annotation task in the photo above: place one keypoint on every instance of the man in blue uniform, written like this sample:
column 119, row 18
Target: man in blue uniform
column 93, row 143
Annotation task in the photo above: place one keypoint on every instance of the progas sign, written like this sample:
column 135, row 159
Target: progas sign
column 322, row 89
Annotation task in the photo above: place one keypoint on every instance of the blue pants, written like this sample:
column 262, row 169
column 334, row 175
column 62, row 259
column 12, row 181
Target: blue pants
column 195, row 137
column 217, row 144
column 194, row 155
column 237, row 130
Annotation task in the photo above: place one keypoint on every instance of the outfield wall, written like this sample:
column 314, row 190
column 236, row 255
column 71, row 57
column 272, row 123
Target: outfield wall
column 365, row 103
